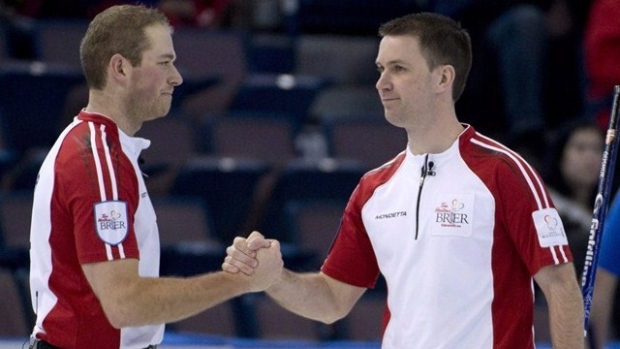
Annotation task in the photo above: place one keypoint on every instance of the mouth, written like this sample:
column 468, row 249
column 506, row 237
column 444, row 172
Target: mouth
column 387, row 100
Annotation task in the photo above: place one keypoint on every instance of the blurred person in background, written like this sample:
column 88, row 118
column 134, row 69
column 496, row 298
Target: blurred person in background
column 196, row 13
column 573, row 171
column 602, row 54
column 527, row 66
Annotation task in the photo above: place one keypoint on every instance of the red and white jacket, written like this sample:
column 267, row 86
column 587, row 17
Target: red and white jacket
column 458, row 237
column 90, row 205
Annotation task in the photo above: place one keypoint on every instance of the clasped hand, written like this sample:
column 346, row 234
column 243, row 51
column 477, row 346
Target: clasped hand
column 255, row 258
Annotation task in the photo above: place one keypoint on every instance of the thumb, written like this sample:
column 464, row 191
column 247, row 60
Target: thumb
column 256, row 241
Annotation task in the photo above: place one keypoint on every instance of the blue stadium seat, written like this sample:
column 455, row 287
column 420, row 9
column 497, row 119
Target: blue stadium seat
column 381, row 140
column 289, row 96
column 249, row 135
column 271, row 53
column 343, row 60
column 227, row 185
column 57, row 41
column 207, row 54
column 312, row 224
column 16, row 319
column 189, row 245
column 351, row 17
column 307, row 180
column 15, row 216
column 32, row 100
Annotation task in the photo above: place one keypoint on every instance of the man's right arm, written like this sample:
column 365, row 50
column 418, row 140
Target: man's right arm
column 130, row 300
column 315, row 295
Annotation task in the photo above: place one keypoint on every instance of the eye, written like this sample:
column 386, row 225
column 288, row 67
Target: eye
column 398, row 68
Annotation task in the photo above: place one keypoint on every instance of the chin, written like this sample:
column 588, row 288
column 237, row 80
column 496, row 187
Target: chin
column 157, row 115
column 394, row 120
column 163, row 111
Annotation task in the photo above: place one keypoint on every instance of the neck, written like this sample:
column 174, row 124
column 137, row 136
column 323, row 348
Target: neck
column 433, row 136
column 101, row 103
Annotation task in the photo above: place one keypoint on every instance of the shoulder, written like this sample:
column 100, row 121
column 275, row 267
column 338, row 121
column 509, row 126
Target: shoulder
column 484, row 152
column 503, row 170
column 374, row 178
column 85, row 145
column 383, row 173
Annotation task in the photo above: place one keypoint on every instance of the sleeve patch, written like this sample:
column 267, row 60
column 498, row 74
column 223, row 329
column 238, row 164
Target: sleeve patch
column 549, row 228
column 111, row 221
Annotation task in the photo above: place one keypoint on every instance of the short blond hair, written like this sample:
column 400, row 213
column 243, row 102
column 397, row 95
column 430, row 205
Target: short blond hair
column 118, row 29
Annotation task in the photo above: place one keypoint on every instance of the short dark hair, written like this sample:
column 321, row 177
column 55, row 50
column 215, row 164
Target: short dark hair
column 442, row 41
column 118, row 29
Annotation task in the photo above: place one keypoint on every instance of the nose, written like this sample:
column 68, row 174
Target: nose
column 383, row 82
column 175, row 79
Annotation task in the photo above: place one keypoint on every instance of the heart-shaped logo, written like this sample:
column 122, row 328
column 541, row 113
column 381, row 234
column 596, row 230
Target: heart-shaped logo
column 457, row 205
column 552, row 223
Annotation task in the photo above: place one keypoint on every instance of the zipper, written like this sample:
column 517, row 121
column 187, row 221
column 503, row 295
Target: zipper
column 426, row 170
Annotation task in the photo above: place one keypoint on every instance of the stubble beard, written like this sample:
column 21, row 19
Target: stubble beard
column 150, row 109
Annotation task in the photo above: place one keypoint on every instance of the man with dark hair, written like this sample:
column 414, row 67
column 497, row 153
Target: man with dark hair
column 458, row 224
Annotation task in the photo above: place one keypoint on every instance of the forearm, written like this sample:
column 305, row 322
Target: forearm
column 160, row 300
column 566, row 316
column 130, row 300
column 599, row 322
column 602, row 304
column 308, row 295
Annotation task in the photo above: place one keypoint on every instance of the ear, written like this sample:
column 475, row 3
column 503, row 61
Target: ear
column 445, row 78
column 118, row 67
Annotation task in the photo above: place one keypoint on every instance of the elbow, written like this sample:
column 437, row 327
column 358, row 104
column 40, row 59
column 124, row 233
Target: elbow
column 125, row 306
column 118, row 314
column 116, row 319
column 116, row 322
column 331, row 320
column 334, row 316
column 323, row 316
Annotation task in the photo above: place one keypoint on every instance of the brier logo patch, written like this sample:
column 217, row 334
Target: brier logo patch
column 451, row 214
column 454, row 215
column 549, row 228
column 111, row 221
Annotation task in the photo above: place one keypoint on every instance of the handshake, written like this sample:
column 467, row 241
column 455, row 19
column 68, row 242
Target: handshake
column 256, row 259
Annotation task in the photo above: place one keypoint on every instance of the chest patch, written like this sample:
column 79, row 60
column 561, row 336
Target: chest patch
column 549, row 228
column 111, row 221
column 453, row 215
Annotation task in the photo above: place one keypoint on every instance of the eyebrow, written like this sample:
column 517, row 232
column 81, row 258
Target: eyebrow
column 167, row 56
column 393, row 62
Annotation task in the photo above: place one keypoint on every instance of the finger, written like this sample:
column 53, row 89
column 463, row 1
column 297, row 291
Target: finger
column 241, row 260
column 231, row 264
column 256, row 234
column 274, row 244
column 229, row 268
column 272, row 253
column 256, row 241
column 241, row 257
column 240, row 244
